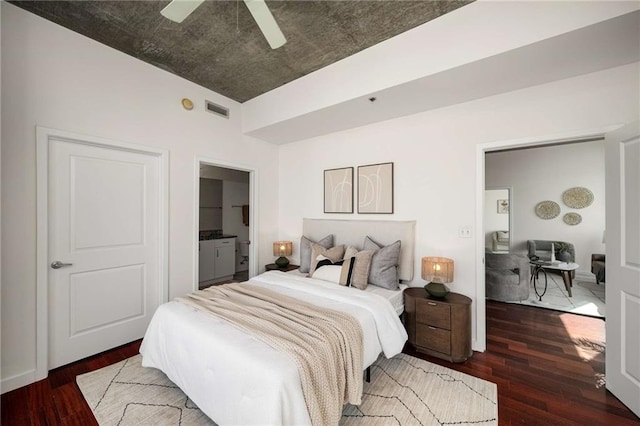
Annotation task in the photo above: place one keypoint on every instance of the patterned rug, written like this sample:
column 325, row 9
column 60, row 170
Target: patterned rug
column 588, row 298
column 403, row 391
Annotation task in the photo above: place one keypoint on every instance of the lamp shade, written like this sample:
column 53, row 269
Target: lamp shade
column 282, row 248
column 437, row 269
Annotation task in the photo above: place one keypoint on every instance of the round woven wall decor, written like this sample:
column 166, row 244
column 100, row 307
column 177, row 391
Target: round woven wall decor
column 572, row 218
column 577, row 198
column 547, row 209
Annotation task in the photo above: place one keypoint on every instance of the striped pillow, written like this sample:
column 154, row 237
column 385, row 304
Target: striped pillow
column 340, row 272
column 361, row 267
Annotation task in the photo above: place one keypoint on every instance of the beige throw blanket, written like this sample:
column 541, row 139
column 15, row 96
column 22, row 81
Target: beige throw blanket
column 326, row 345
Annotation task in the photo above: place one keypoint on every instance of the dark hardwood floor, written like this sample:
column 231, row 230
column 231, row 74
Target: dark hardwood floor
column 549, row 368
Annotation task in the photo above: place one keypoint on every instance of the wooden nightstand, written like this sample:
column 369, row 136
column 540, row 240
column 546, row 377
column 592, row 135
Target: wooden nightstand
column 274, row 267
column 439, row 327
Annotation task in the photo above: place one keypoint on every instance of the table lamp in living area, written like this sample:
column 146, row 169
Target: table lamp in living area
column 438, row 271
column 282, row 249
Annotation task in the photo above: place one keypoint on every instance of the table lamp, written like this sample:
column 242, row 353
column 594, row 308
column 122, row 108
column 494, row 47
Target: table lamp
column 438, row 271
column 282, row 249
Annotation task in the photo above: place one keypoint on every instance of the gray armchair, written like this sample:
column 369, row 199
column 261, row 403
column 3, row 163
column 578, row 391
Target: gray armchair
column 506, row 277
column 598, row 267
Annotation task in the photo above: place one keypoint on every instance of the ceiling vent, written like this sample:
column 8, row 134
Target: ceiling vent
column 217, row 109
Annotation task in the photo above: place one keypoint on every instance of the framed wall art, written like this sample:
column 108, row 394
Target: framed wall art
column 503, row 206
column 338, row 190
column 375, row 188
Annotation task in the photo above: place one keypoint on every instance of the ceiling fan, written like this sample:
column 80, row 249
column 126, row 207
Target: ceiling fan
column 178, row 10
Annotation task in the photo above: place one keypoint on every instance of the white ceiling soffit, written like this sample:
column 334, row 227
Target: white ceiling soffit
column 608, row 43
column 601, row 46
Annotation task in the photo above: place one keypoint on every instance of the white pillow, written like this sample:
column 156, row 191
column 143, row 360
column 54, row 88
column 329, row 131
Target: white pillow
column 328, row 273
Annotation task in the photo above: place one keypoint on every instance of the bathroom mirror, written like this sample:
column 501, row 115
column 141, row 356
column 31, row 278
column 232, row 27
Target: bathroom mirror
column 497, row 219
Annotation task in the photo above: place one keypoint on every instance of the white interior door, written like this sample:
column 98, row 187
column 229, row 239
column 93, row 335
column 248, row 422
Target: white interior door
column 623, row 265
column 104, row 212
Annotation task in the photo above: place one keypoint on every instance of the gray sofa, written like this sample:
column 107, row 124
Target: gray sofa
column 506, row 277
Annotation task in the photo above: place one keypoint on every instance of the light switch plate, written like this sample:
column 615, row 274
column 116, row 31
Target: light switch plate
column 464, row 232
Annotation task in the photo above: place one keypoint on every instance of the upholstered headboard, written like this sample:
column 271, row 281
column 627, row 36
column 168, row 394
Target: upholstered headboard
column 353, row 232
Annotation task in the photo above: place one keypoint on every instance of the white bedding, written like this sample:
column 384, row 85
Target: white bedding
column 236, row 379
column 395, row 297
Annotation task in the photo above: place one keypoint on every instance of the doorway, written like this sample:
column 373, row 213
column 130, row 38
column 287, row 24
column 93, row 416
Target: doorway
column 534, row 174
column 482, row 149
column 225, row 211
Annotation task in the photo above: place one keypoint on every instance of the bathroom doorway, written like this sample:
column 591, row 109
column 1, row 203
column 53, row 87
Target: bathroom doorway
column 224, row 237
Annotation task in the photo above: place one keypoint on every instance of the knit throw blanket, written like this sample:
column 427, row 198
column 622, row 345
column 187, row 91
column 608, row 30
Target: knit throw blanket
column 326, row 345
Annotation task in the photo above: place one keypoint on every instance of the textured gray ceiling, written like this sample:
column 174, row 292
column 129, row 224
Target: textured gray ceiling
column 220, row 47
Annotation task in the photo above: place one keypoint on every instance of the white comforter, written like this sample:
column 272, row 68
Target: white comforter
column 236, row 379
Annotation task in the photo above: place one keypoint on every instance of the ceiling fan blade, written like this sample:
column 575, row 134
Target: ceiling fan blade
column 266, row 22
column 178, row 10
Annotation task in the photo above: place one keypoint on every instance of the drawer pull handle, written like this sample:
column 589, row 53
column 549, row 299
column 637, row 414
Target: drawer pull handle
column 431, row 328
column 432, row 304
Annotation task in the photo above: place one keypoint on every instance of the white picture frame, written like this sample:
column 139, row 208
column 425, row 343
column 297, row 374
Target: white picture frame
column 503, row 206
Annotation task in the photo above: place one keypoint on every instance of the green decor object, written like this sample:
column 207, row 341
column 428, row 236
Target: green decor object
column 437, row 270
column 282, row 262
column 438, row 290
column 562, row 252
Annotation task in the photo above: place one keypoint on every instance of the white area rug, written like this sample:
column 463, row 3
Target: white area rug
column 587, row 297
column 403, row 391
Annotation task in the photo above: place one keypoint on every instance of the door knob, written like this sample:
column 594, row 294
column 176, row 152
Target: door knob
column 57, row 264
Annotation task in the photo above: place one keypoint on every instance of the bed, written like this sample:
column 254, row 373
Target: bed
column 235, row 378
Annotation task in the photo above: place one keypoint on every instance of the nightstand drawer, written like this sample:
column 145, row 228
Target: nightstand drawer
column 433, row 338
column 433, row 313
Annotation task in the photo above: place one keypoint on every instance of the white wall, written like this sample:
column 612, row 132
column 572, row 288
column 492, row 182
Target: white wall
column 55, row 78
column 494, row 221
column 544, row 173
column 435, row 159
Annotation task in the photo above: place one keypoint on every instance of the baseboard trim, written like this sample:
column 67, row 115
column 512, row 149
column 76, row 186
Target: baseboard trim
column 17, row 381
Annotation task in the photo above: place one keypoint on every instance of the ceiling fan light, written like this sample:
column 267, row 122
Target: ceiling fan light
column 266, row 23
column 178, row 10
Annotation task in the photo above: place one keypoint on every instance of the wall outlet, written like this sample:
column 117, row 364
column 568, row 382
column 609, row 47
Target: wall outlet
column 464, row 232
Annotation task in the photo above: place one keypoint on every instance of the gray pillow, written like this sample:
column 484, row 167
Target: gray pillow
column 305, row 250
column 384, row 264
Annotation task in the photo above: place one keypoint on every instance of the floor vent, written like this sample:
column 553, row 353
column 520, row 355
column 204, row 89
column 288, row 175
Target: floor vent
column 217, row 109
